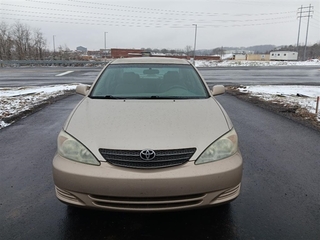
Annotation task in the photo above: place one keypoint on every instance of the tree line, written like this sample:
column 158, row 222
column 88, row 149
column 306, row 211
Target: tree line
column 19, row 42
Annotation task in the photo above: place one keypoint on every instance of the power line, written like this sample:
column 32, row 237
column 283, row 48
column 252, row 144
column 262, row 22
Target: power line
column 98, row 17
column 131, row 7
column 138, row 16
column 315, row 22
column 137, row 10
column 132, row 24
column 155, row 11
column 165, row 10
column 247, row 25
column 140, row 20
column 35, row 14
column 81, row 12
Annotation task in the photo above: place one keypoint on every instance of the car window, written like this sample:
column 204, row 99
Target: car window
column 149, row 81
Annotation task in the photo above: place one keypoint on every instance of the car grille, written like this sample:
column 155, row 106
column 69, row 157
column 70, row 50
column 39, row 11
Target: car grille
column 163, row 158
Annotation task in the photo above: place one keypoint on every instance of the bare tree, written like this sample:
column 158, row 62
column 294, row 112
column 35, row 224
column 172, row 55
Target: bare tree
column 19, row 42
column 6, row 42
column 188, row 50
column 66, row 54
column 314, row 51
column 218, row 51
column 21, row 37
column 173, row 51
column 164, row 51
column 39, row 44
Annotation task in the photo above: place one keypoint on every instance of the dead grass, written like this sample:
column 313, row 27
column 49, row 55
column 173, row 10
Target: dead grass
column 291, row 111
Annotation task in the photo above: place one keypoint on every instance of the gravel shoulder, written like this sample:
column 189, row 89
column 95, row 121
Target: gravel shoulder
column 293, row 112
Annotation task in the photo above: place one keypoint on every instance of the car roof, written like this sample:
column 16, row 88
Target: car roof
column 157, row 60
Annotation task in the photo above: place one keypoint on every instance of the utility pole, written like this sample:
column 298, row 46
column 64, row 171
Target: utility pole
column 54, row 47
column 305, row 46
column 300, row 17
column 105, row 46
column 222, row 52
column 195, row 43
column 304, row 12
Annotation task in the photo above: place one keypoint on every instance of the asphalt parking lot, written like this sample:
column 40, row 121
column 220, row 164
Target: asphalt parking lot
column 279, row 196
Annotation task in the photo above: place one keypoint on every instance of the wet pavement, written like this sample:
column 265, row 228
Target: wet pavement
column 279, row 197
column 38, row 76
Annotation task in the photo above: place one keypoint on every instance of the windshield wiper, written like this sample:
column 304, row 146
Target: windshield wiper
column 110, row 97
column 106, row 97
column 165, row 97
column 174, row 97
column 147, row 97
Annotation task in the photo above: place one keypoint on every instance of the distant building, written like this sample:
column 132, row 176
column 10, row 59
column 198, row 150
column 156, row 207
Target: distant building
column 283, row 56
column 238, row 51
column 258, row 57
column 239, row 57
column 95, row 54
column 125, row 53
column 82, row 49
column 251, row 57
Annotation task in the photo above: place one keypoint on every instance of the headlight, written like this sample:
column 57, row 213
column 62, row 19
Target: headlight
column 70, row 148
column 224, row 147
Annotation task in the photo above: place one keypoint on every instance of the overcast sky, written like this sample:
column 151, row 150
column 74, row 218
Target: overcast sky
column 165, row 24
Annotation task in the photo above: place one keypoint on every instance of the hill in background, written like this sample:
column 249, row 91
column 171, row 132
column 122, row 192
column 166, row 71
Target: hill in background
column 254, row 49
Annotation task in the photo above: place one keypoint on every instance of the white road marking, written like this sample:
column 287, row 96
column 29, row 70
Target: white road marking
column 65, row 73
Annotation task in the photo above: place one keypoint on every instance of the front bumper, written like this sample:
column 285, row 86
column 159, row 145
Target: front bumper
column 115, row 188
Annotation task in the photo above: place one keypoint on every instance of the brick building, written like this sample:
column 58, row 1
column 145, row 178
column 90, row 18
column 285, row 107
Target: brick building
column 125, row 53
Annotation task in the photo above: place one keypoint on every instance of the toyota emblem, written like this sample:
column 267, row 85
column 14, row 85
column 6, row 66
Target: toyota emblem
column 147, row 154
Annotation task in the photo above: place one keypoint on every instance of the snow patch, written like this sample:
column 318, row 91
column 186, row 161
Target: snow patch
column 20, row 99
column 304, row 96
column 233, row 63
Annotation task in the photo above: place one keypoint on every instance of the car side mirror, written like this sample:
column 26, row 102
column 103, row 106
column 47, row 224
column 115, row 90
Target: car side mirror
column 83, row 89
column 218, row 89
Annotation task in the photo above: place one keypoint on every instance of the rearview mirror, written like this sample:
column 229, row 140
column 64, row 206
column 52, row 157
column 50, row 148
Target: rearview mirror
column 218, row 90
column 83, row 89
column 150, row 71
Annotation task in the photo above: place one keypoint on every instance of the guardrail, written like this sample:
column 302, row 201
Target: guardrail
column 18, row 63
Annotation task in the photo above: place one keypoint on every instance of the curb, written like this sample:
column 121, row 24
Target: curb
column 294, row 112
column 38, row 107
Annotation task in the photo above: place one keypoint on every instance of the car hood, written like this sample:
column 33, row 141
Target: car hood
column 147, row 124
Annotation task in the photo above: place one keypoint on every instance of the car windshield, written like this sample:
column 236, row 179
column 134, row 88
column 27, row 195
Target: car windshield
column 149, row 81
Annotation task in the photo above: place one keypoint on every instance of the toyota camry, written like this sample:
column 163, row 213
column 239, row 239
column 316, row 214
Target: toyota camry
column 148, row 135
